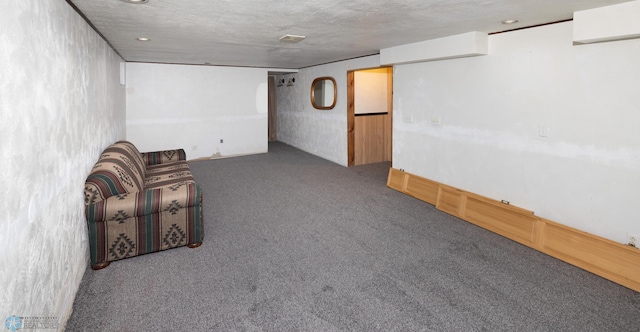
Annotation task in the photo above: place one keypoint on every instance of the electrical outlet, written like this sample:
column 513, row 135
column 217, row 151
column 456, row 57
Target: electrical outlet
column 193, row 148
column 632, row 240
column 436, row 121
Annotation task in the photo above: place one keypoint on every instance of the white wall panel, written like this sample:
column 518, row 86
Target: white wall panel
column 584, row 173
column 61, row 104
column 194, row 107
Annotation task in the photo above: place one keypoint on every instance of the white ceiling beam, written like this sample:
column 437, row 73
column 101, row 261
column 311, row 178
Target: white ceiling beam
column 616, row 22
column 458, row 46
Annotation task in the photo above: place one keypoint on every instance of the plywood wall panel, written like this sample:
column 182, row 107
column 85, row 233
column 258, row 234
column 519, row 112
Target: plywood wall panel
column 396, row 179
column 608, row 259
column 497, row 218
column 450, row 200
column 603, row 257
column 422, row 189
column 372, row 144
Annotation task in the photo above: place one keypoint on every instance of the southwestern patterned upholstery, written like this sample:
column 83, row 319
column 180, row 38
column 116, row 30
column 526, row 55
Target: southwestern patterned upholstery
column 137, row 203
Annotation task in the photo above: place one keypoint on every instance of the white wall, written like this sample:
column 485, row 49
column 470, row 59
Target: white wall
column 60, row 105
column 585, row 173
column 370, row 91
column 319, row 132
column 184, row 106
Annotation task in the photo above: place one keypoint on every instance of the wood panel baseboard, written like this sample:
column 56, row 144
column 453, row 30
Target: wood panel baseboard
column 420, row 188
column 611, row 260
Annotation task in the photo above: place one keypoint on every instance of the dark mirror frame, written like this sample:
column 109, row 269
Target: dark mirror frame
column 335, row 93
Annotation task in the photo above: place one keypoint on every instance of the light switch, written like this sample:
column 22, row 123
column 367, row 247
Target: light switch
column 408, row 117
column 543, row 131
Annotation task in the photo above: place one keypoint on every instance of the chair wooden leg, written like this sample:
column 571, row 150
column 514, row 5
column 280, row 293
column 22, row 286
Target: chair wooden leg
column 100, row 266
column 194, row 245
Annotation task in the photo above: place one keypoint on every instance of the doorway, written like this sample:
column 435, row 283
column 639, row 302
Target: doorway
column 369, row 115
column 272, row 110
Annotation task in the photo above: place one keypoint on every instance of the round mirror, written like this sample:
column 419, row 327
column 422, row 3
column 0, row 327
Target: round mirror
column 323, row 93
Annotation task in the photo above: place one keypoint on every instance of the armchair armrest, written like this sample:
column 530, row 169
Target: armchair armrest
column 162, row 157
column 165, row 199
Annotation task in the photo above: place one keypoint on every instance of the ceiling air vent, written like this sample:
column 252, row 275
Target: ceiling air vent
column 291, row 38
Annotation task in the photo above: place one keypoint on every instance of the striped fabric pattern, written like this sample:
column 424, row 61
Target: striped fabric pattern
column 135, row 154
column 166, row 212
column 165, row 175
column 163, row 157
column 118, row 171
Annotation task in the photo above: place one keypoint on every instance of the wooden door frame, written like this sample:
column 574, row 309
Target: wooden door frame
column 351, row 107
column 272, row 109
column 351, row 134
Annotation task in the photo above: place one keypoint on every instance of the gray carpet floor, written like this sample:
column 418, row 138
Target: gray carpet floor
column 296, row 243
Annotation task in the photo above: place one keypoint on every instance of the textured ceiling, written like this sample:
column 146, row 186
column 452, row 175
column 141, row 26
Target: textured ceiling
column 247, row 32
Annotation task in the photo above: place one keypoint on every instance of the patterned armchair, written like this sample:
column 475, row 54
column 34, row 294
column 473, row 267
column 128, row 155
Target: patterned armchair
column 137, row 203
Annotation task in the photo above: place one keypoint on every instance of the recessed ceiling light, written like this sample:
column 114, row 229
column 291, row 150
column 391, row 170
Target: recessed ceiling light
column 509, row 21
column 291, row 38
column 136, row 1
column 143, row 39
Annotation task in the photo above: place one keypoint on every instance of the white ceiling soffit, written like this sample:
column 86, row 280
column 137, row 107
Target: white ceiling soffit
column 247, row 32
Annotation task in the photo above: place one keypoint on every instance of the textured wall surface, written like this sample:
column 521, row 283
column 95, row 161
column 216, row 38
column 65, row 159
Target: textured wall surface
column 194, row 107
column 319, row 132
column 60, row 104
column 584, row 173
